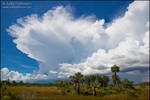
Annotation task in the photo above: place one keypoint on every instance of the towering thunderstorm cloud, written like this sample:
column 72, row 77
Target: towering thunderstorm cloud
column 63, row 44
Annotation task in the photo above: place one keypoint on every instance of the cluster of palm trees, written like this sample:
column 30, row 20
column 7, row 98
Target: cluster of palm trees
column 94, row 81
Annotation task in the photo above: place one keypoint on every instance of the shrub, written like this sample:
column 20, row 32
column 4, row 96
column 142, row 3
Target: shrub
column 68, row 90
column 144, row 84
column 6, row 98
column 127, row 84
column 111, row 91
column 13, row 95
column 137, row 91
column 131, row 93
column 85, row 91
column 107, row 90
column 63, row 92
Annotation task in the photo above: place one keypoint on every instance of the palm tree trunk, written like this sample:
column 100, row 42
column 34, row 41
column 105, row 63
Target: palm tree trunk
column 116, row 85
column 94, row 92
column 78, row 88
column 74, row 87
column 89, row 83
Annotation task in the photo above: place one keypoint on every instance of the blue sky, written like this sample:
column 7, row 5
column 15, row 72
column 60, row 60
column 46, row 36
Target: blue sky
column 16, row 59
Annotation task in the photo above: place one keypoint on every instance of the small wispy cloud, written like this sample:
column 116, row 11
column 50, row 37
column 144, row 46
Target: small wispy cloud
column 28, row 67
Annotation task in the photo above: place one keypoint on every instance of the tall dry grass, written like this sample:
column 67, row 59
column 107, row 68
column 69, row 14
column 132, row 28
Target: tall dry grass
column 53, row 93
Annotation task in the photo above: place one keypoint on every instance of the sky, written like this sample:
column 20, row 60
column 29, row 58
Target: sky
column 53, row 40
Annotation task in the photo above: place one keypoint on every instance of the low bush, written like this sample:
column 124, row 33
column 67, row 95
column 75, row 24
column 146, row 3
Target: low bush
column 6, row 98
column 13, row 95
column 85, row 91
column 131, row 93
column 144, row 84
column 68, row 90
column 107, row 90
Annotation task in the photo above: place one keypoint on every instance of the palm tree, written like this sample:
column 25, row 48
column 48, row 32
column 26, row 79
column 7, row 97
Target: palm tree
column 95, row 86
column 79, row 78
column 99, row 79
column 87, row 80
column 103, row 80
column 73, row 79
column 92, row 78
column 115, row 68
column 93, row 83
column 115, row 77
column 62, row 83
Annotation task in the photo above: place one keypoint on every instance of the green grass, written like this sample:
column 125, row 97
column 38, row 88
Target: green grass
column 53, row 93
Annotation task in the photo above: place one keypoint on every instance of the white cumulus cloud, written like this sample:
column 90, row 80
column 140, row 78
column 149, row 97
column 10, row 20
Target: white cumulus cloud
column 14, row 75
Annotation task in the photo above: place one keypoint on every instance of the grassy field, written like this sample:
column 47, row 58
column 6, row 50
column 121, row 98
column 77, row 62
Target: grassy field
column 54, row 93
